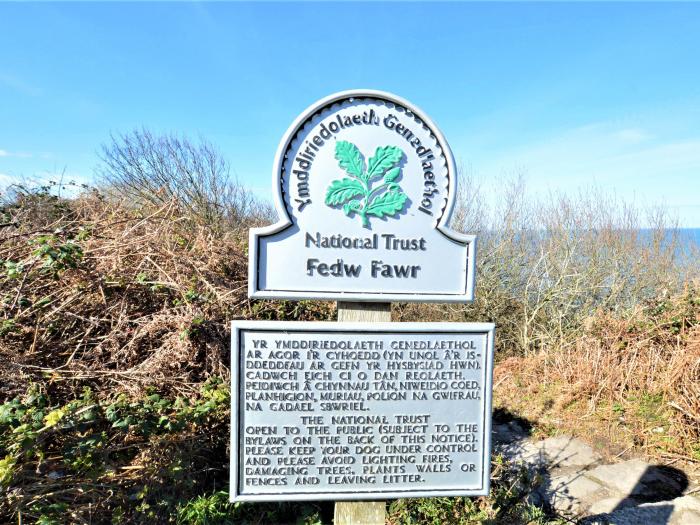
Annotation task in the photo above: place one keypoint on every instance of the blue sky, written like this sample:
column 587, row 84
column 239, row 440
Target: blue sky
column 569, row 94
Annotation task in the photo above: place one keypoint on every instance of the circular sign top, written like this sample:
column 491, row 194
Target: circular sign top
column 368, row 155
column 364, row 185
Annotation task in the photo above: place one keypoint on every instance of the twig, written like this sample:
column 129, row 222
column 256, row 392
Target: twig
column 673, row 404
column 36, row 335
column 77, row 347
column 623, row 452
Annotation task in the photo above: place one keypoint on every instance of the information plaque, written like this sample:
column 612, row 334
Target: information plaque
column 348, row 411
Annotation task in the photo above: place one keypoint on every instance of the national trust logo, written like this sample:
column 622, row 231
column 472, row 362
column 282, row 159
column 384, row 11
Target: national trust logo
column 355, row 193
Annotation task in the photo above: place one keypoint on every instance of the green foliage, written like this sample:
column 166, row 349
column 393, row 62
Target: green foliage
column 695, row 452
column 52, row 514
column 55, row 254
column 7, row 466
column 215, row 509
column 87, row 438
column 13, row 270
column 86, row 442
column 651, row 408
column 193, row 329
column 7, row 326
column 206, row 510
column 292, row 311
column 155, row 415
column 508, row 503
column 159, row 454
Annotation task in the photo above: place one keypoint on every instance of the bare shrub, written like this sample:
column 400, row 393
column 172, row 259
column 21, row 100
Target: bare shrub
column 638, row 371
column 105, row 294
column 40, row 204
column 595, row 301
column 546, row 263
column 153, row 170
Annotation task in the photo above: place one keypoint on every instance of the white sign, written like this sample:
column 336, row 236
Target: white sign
column 364, row 184
column 357, row 411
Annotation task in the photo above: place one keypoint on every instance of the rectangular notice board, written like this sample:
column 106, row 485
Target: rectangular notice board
column 348, row 411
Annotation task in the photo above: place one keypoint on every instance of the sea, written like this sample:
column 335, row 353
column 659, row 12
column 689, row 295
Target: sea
column 688, row 236
column 688, row 239
column 687, row 251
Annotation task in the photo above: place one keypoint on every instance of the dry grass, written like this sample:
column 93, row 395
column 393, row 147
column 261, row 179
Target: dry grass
column 133, row 305
column 546, row 263
column 634, row 380
column 123, row 298
column 596, row 319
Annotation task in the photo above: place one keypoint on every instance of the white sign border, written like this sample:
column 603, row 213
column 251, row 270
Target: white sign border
column 285, row 221
column 366, row 495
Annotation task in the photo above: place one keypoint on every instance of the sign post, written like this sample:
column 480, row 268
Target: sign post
column 365, row 512
column 361, row 410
